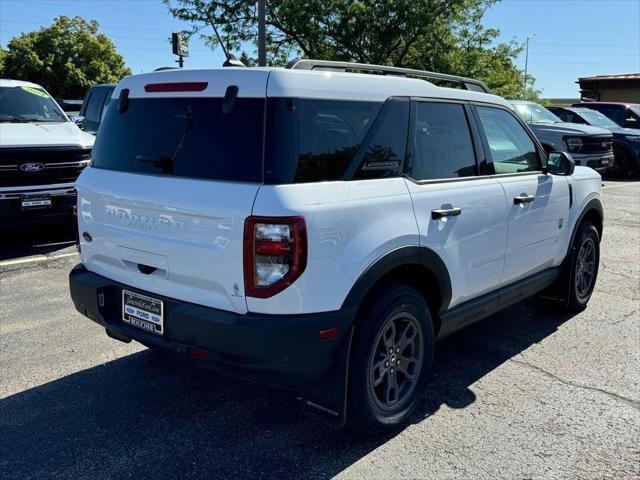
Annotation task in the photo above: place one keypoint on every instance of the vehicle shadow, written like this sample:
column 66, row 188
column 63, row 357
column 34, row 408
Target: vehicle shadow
column 37, row 236
column 150, row 415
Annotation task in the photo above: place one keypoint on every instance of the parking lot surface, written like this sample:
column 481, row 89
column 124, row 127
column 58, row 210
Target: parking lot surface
column 527, row 393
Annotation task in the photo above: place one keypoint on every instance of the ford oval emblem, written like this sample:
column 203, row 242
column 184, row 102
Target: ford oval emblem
column 32, row 167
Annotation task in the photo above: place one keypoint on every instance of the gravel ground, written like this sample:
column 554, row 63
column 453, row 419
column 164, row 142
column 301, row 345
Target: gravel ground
column 527, row 393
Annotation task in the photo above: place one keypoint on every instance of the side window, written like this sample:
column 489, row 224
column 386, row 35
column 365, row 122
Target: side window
column 386, row 150
column 512, row 150
column 94, row 102
column 442, row 144
column 331, row 132
column 618, row 115
column 577, row 119
column 105, row 104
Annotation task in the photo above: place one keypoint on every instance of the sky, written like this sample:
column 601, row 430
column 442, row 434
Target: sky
column 569, row 38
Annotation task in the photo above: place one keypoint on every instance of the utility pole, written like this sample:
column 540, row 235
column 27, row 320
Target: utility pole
column 262, row 44
column 526, row 64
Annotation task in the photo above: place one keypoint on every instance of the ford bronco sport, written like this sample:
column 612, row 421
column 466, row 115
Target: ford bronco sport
column 316, row 229
column 42, row 153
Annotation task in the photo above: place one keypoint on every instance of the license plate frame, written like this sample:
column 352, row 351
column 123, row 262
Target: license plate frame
column 35, row 201
column 143, row 312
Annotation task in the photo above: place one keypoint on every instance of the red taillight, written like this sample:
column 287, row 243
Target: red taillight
column 275, row 254
column 176, row 87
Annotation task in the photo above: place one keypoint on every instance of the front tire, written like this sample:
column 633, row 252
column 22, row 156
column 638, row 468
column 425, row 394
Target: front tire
column 391, row 357
column 583, row 267
column 621, row 167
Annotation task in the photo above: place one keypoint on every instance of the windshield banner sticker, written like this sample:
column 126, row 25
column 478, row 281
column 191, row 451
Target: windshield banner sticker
column 35, row 91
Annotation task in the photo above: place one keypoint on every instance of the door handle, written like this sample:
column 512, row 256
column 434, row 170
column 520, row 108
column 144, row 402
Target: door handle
column 445, row 212
column 523, row 198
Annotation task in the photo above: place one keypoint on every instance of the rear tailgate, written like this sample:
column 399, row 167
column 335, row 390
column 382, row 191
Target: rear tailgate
column 192, row 238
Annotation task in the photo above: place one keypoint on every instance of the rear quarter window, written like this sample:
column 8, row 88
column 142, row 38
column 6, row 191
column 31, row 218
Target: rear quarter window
column 330, row 134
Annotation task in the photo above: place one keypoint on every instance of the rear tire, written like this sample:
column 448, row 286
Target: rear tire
column 390, row 361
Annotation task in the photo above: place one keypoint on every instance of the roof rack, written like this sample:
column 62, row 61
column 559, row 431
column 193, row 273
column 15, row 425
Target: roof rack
column 466, row 83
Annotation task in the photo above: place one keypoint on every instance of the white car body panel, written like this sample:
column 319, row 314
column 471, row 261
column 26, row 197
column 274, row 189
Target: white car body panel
column 44, row 134
column 536, row 229
column 350, row 225
column 190, row 230
column 472, row 244
column 280, row 82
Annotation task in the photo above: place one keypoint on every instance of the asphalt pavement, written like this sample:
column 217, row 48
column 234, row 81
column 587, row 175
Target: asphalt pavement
column 527, row 393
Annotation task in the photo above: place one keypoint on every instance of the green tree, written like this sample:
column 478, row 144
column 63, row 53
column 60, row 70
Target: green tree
column 66, row 58
column 441, row 35
column 375, row 32
column 469, row 49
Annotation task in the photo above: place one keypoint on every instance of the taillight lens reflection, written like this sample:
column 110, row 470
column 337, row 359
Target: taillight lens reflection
column 275, row 254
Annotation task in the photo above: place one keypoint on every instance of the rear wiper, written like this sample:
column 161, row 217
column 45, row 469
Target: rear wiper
column 190, row 125
column 166, row 163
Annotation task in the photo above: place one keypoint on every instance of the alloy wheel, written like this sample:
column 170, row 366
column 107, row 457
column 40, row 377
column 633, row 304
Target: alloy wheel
column 396, row 361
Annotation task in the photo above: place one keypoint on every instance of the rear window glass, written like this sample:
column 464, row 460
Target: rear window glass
column 185, row 137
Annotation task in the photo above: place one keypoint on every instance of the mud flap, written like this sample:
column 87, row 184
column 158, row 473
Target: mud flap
column 558, row 293
column 327, row 400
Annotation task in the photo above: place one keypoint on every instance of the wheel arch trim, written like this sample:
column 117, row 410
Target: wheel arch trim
column 593, row 205
column 407, row 256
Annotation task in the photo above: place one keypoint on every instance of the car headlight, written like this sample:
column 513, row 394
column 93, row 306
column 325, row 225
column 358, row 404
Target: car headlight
column 573, row 144
column 633, row 138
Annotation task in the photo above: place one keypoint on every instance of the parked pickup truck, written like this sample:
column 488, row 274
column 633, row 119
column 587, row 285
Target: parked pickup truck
column 626, row 141
column 587, row 145
column 42, row 153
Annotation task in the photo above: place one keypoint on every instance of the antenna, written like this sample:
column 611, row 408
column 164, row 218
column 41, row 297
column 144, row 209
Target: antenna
column 231, row 60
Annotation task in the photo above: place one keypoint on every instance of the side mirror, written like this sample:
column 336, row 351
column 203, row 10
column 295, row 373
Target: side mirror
column 560, row 163
column 79, row 121
column 630, row 122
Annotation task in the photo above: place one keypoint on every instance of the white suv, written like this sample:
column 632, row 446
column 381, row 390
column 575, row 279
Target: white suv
column 317, row 230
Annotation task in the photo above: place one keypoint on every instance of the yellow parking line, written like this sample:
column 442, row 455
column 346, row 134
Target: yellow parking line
column 36, row 258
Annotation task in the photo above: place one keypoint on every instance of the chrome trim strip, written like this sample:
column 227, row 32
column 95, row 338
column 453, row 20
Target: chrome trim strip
column 81, row 163
column 473, row 177
column 32, row 188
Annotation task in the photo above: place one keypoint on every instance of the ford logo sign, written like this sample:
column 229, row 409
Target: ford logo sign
column 31, row 167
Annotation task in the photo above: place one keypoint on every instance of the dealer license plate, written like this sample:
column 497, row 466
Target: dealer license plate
column 36, row 201
column 142, row 312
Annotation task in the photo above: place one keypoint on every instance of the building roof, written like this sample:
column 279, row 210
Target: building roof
column 622, row 76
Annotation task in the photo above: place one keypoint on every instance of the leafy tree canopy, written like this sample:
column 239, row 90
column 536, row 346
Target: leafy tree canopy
column 441, row 35
column 66, row 58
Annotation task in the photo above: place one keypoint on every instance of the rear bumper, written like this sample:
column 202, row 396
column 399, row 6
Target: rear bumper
column 63, row 199
column 281, row 351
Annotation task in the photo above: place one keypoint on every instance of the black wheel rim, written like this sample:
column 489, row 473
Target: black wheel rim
column 396, row 361
column 585, row 268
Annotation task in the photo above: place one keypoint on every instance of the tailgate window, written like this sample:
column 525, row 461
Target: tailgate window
column 185, row 137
